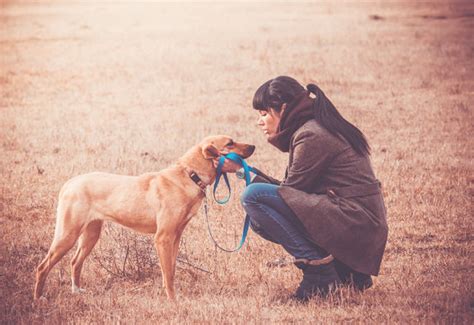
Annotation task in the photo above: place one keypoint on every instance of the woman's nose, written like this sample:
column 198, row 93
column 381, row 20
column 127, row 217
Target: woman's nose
column 259, row 121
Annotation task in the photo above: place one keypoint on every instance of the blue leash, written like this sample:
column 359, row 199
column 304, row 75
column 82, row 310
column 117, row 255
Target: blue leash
column 247, row 169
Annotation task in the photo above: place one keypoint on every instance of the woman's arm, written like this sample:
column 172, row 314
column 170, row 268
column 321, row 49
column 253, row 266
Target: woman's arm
column 311, row 153
column 232, row 167
column 264, row 178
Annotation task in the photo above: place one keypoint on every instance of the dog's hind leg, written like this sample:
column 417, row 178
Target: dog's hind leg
column 86, row 243
column 58, row 249
column 68, row 228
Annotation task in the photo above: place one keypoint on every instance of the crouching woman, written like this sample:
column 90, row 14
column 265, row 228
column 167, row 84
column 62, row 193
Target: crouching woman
column 328, row 212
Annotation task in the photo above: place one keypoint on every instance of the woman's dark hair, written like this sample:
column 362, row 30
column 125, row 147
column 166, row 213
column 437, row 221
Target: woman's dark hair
column 276, row 92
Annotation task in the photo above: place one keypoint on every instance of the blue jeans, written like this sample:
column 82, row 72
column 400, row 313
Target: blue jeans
column 272, row 219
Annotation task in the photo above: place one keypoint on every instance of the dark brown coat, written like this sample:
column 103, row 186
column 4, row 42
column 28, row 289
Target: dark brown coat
column 352, row 228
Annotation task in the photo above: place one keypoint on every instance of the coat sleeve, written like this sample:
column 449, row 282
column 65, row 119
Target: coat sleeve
column 311, row 153
column 264, row 178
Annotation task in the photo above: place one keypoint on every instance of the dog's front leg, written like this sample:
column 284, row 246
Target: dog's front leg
column 170, row 225
column 164, row 243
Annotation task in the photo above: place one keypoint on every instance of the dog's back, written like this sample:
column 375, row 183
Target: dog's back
column 115, row 197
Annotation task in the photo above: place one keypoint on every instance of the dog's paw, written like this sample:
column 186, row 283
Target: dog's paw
column 41, row 301
column 76, row 289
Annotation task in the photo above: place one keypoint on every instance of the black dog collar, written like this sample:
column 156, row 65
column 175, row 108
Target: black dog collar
column 196, row 179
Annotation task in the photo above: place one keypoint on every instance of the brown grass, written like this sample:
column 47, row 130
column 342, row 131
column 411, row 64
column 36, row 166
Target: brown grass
column 128, row 87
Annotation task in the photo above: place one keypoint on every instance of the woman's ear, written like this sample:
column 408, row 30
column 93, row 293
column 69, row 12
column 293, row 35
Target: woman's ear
column 283, row 107
column 210, row 152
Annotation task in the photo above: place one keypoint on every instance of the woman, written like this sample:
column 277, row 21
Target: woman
column 328, row 212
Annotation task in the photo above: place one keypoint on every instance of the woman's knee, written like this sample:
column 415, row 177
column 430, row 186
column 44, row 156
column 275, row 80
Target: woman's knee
column 249, row 196
column 256, row 192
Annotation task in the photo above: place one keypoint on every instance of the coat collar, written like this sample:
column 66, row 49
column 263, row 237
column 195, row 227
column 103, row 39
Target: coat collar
column 299, row 111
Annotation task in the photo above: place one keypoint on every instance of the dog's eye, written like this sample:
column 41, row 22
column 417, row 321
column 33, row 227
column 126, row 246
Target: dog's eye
column 230, row 144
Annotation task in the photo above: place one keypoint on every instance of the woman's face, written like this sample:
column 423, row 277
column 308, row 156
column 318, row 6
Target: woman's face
column 268, row 121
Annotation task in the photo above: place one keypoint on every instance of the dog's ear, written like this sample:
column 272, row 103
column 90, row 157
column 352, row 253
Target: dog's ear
column 210, row 152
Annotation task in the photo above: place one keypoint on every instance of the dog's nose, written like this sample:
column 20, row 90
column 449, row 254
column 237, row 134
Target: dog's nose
column 250, row 150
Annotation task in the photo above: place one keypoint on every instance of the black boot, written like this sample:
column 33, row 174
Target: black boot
column 359, row 281
column 317, row 280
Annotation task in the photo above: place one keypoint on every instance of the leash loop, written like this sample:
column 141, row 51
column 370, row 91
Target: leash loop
column 247, row 169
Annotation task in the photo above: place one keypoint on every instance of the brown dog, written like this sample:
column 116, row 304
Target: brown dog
column 161, row 203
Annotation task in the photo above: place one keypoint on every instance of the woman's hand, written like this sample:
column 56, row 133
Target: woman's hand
column 229, row 166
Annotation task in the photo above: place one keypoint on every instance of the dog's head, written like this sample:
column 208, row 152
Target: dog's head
column 215, row 146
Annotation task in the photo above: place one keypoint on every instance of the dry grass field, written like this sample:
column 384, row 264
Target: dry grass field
column 127, row 87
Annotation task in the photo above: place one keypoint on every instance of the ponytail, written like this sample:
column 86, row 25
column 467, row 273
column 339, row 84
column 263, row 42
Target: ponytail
column 332, row 120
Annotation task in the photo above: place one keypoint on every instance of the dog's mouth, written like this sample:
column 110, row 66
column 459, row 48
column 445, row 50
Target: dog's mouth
column 248, row 151
column 243, row 150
